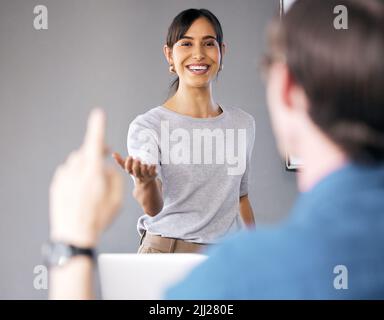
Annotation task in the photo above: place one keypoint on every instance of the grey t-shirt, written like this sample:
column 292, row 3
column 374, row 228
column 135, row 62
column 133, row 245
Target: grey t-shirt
column 203, row 164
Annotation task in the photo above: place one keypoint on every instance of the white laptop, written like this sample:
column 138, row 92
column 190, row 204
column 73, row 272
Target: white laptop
column 134, row 276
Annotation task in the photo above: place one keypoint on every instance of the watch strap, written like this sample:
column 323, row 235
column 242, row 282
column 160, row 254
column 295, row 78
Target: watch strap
column 59, row 253
column 78, row 251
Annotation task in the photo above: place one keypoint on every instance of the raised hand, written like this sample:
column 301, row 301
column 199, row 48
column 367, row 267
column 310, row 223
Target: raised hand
column 85, row 194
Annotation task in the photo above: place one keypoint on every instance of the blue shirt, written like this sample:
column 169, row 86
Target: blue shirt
column 334, row 237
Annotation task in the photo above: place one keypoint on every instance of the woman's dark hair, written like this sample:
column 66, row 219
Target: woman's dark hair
column 180, row 25
column 341, row 71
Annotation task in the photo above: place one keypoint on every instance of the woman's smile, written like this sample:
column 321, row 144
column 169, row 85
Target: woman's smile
column 198, row 68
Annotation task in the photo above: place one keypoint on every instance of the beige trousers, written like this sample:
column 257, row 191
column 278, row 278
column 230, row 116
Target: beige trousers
column 156, row 244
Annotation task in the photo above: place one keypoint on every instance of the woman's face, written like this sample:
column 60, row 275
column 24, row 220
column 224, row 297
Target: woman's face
column 196, row 56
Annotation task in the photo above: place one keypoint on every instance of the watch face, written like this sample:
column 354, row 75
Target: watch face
column 56, row 254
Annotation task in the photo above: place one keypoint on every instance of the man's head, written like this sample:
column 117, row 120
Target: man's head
column 329, row 80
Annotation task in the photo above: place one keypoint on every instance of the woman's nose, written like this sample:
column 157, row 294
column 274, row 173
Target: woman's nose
column 198, row 53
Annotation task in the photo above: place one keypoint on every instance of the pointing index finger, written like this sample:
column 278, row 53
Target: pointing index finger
column 94, row 144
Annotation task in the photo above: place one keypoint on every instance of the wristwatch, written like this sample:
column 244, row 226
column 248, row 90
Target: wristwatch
column 59, row 253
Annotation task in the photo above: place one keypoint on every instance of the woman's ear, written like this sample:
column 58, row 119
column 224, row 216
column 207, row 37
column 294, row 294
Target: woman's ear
column 168, row 54
column 223, row 49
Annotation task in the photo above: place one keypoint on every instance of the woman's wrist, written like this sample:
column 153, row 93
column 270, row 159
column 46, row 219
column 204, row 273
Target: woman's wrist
column 143, row 184
column 142, row 187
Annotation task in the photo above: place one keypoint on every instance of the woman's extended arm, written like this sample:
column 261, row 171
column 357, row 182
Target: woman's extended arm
column 148, row 188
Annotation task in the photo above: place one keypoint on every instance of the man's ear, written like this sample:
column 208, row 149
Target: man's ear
column 286, row 83
column 296, row 97
column 292, row 94
column 278, row 86
column 168, row 54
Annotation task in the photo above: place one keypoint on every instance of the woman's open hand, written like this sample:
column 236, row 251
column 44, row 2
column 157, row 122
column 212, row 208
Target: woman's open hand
column 142, row 172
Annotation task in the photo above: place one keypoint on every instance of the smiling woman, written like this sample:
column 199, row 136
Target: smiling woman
column 187, row 203
column 204, row 35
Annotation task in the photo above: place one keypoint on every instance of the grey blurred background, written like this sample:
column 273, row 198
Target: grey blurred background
column 109, row 54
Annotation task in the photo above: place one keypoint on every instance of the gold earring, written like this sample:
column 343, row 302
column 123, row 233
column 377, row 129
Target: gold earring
column 171, row 68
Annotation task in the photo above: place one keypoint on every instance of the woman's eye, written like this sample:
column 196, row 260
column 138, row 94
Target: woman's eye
column 210, row 44
column 186, row 44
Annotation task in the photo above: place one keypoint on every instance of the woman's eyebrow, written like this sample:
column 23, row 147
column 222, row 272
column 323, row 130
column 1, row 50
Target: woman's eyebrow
column 204, row 38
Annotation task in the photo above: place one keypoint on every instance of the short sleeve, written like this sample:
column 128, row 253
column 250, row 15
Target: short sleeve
column 143, row 143
column 250, row 143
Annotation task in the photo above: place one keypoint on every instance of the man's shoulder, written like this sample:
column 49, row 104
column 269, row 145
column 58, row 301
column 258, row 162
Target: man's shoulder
column 266, row 241
column 244, row 265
